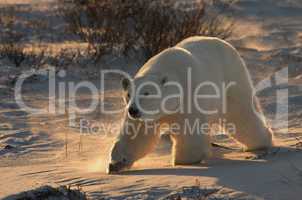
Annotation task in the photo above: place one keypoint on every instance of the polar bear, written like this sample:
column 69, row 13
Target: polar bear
column 201, row 79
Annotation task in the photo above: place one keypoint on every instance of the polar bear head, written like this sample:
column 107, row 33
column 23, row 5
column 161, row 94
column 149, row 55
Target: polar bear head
column 150, row 97
column 158, row 88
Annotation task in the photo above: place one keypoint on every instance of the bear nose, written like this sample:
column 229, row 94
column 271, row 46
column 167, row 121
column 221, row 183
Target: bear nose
column 134, row 112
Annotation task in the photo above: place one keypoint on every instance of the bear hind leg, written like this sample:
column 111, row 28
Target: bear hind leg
column 251, row 130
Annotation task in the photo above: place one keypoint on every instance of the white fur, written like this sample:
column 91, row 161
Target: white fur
column 210, row 59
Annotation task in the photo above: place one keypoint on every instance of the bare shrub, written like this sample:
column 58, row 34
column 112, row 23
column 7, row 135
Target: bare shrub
column 13, row 52
column 36, row 55
column 162, row 25
column 13, row 44
column 10, row 43
column 64, row 57
column 119, row 26
column 19, row 54
column 99, row 23
column 48, row 192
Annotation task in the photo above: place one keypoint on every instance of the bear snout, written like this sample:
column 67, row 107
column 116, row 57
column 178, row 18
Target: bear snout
column 134, row 112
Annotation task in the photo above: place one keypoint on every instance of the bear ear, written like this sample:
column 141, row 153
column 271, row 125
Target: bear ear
column 164, row 80
column 125, row 83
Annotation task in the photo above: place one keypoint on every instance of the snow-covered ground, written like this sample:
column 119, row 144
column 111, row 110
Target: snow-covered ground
column 33, row 148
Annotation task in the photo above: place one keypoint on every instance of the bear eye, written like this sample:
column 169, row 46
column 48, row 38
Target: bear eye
column 146, row 93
